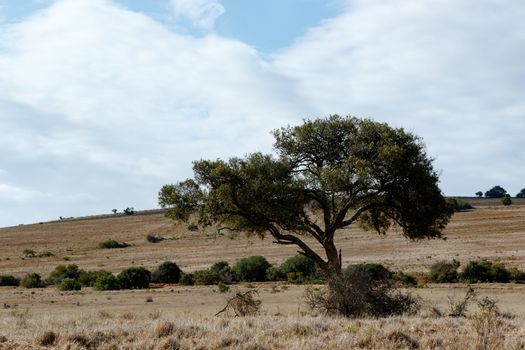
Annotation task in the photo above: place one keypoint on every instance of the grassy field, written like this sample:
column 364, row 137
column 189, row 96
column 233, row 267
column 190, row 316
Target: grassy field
column 181, row 317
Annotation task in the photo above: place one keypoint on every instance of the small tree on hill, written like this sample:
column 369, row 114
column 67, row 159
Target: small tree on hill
column 479, row 194
column 496, row 192
column 329, row 174
column 521, row 194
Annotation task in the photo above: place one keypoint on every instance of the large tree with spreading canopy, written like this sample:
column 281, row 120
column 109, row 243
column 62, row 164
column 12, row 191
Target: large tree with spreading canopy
column 327, row 174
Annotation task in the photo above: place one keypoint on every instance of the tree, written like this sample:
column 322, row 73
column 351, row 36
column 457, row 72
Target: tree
column 329, row 174
column 521, row 194
column 496, row 192
column 479, row 194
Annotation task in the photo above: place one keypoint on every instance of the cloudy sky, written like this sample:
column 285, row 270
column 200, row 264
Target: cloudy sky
column 104, row 101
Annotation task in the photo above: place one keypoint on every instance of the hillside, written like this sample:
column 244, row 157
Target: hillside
column 490, row 231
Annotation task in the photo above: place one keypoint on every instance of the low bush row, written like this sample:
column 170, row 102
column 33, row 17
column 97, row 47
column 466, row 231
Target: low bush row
column 474, row 272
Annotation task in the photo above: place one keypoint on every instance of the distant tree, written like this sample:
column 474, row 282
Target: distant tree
column 129, row 211
column 521, row 194
column 479, row 194
column 496, row 192
column 114, row 211
column 347, row 170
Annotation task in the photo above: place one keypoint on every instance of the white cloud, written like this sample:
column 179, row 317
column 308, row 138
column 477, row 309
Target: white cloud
column 202, row 13
column 447, row 70
column 9, row 193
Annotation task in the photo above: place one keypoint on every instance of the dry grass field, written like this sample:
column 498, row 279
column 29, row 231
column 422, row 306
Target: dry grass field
column 181, row 317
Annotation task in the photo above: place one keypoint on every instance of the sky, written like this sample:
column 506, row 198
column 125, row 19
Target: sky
column 104, row 101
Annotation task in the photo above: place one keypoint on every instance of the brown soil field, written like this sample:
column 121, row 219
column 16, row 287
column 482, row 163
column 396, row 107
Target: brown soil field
column 131, row 319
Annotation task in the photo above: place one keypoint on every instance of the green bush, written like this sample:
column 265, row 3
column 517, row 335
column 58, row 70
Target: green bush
column 88, row 278
column 167, row 272
column 275, row 274
column 252, row 268
column 206, row 277
column 444, row 272
column 459, row 204
column 8, row 280
column 506, row 200
column 32, row 280
column 186, row 279
column 62, row 271
column 224, row 270
column 112, row 244
column 485, row 271
column 223, row 287
column 134, row 277
column 374, row 271
column 516, row 275
column 299, row 264
column 69, row 284
column 405, row 279
column 106, row 281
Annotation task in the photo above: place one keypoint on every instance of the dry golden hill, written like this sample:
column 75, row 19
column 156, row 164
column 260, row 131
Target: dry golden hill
column 490, row 231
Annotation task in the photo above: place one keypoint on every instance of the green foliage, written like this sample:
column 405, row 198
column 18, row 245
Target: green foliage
column 206, row 277
column 45, row 254
column 485, row 271
column 129, row 211
column 299, row 264
column 186, row 279
column 444, row 272
column 223, row 287
column 349, row 170
column 134, row 278
column 112, row 244
column 506, row 200
column 275, row 274
column 8, row 280
column 252, row 268
column 32, row 280
column 459, row 204
column 516, row 275
column 405, row 279
column 496, row 192
column 29, row 253
column 69, row 284
column 88, row 278
column 521, row 194
column 479, row 194
column 167, row 272
column 375, row 272
column 62, row 271
column 106, row 281
column 224, row 270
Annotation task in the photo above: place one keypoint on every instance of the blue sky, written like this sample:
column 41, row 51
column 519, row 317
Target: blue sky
column 104, row 101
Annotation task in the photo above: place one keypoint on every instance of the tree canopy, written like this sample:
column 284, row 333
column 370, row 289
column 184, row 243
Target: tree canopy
column 327, row 174
column 521, row 193
column 496, row 192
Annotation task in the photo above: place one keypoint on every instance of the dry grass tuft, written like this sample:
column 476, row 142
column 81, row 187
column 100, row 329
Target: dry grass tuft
column 164, row 329
column 401, row 339
column 168, row 344
column 48, row 338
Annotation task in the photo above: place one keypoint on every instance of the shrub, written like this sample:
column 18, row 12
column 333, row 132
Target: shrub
column 485, row 271
column 129, row 211
column 356, row 294
column 223, row 288
column 106, row 281
column 62, row 271
column 252, row 268
column 206, row 277
column 186, row 279
column 32, row 280
column 275, row 274
column 224, row 270
column 8, row 280
column 405, row 279
column 299, row 265
column 506, row 200
column 167, row 272
column 134, row 278
column 152, row 238
column 29, row 253
column 45, row 254
column 112, row 244
column 459, row 204
column 88, row 278
column 444, row 272
column 374, row 271
column 69, row 284
column 516, row 275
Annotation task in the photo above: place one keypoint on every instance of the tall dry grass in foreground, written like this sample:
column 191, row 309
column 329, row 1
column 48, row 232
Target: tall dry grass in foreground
column 483, row 329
